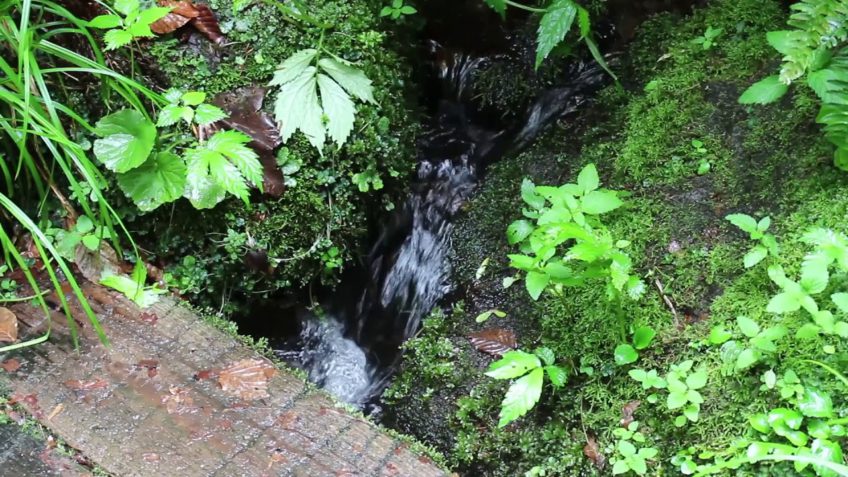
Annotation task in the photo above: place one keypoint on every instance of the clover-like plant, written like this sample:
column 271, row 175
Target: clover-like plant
column 760, row 343
column 757, row 230
column 628, row 457
column 529, row 371
column 189, row 107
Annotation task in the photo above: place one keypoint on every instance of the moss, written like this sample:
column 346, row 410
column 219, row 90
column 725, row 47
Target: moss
column 322, row 208
column 765, row 161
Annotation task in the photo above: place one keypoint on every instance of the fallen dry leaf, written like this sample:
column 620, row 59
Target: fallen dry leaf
column 183, row 12
column 10, row 365
column 8, row 325
column 495, row 341
column 79, row 385
column 627, row 412
column 55, row 412
column 247, row 379
column 177, row 401
column 593, row 452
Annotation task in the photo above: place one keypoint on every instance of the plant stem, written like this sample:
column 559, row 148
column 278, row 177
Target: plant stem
column 525, row 7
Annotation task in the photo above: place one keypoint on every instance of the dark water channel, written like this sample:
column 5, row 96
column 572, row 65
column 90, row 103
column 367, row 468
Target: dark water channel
column 352, row 348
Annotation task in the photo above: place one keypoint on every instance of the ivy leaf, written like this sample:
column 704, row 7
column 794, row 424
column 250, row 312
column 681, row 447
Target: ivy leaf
column 553, row 27
column 522, row 395
column 765, row 91
column 127, row 139
column 161, row 179
column 339, row 109
column 206, row 114
column 351, row 79
column 513, row 364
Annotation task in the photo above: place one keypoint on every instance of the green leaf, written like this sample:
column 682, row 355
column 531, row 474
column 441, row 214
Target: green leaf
column 536, row 283
column 827, row 451
column 783, row 303
column 529, row 195
column 744, row 222
column 91, row 242
column 513, row 364
column 206, row 114
column 643, row 336
column 297, row 107
column 755, row 256
column 765, row 91
column 783, row 40
column 676, row 400
column 105, row 21
column 546, row 355
column 126, row 7
column 557, row 375
column 293, row 67
column 719, row 335
column 117, row 38
column 588, row 179
column 132, row 289
column 518, row 231
column 747, row 358
column 583, row 22
column 338, row 108
column 408, row 10
column 600, row 202
column 193, row 98
column 808, row 331
column 522, row 395
column 698, row 379
column 161, row 179
column 749, row 327
column 841, row 301
column 620, row 467
column 553, row 27
column 498, row 6
column 350, row 78
column 127, row 138
column 171, row 114
column 150, row 15
column 625, row 354
column 815, row 403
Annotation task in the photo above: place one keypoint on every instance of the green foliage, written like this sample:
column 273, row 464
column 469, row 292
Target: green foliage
column 134, row 287
column 757, row 231
column 565, row 244
column 627, row 353
column 760, row 346
column 300, row 78
column 683, row 387
column 84, row 232
column 128, row 23
column 628, row 457
column 189, row 107
column 530, row 371
column 397, row 9
column 708, row 39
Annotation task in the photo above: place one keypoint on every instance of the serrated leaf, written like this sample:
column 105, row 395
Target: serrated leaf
column 232, row 145
column 352, row 79
column 170, row 115
column 522, row 395
column 513, row 364
column 749, row 327
column 553, row 27
column 206, row 114
column 126, row 140
column 161, row 179
column 105, row 21
column 518, row 231
column 755, row 256
column 546, row 355
column 743, row 221
column 498, row 6
column 536, row 283
column 150, row 15
column 557, row 375
column 201, row 190
column 297, row 108
column 140, row 30
column 126, row 7
column 783, row 303
column 117, row 38
column 193, row 98
column 765, row 91
column 293, row 67
column 338, row 108
column 588, row 179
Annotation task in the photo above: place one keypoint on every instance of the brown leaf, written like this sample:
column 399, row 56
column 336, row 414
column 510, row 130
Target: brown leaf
column 10, row 365
column 177, row 401
column 8, row 325
column 184, row 12
column 247, row 379
column 593, row 452
column 79, row 385
column 206, row 374
column 627, row 412
column 495, row 341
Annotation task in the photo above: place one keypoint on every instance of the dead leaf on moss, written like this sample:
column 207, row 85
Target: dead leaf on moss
column 627, row 412
column 8, row 325
column 247, row 379
column 593, row 452
column 495, row 341
column 183, row 12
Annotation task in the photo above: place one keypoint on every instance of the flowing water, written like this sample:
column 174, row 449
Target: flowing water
column 353, row 349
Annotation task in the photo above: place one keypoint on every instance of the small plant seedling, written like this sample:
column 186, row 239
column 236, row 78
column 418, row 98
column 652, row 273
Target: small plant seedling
column 530, row 371
column 757, row 231
column 708, row 39
column 698, row 146
column 332, row 259
column 397, row 9
column 84, row 232
column 482, row 317
column 128, row 22
column 628, row 457
column 743, row 355
column 704, row 167
column 627, row 353
column 683, row 387
column 189, row 107
column 133, row 287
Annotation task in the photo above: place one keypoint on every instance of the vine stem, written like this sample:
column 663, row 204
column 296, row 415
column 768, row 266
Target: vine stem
column 525, row 7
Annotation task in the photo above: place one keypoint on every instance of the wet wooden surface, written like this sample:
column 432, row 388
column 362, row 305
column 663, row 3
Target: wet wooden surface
column 24, row 455
column 154, row 402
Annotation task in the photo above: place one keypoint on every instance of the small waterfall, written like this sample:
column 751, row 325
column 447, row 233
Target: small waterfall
column 353, row 351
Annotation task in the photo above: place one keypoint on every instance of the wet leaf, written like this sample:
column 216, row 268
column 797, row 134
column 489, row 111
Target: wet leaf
column 10, row 365
column 90, row 385
column 592, row 451
column 183, row 12
column 247, row 379
column 627, row 412
column 495, row 341
column 8, row 325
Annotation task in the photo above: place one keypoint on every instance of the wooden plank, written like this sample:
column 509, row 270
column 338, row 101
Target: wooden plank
column 137, row 406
